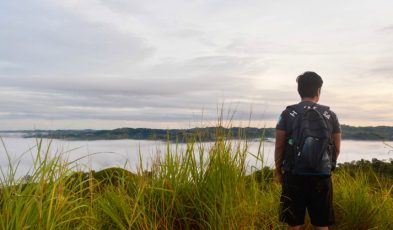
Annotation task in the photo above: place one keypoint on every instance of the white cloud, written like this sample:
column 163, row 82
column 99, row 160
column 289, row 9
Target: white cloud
column 166, row 61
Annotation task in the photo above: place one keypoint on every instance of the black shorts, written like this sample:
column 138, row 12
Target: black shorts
column 313, row 193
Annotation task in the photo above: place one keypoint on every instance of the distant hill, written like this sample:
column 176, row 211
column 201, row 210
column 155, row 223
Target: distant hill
column 200, row 134
column 181, row 135
column 367, row 133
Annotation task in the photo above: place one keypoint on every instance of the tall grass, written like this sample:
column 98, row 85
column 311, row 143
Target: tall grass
column 203, row 186
column 363, row 199
column 41, row 200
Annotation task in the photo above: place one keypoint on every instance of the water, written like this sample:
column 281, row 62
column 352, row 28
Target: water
column 101, row 154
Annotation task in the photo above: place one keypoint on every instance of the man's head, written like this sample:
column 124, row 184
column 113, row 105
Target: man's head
column 309, row 84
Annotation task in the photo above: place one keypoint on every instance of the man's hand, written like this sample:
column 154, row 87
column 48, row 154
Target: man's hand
column 279, row 153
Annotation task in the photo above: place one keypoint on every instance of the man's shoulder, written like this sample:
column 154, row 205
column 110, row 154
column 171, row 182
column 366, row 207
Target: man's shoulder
column 306, row 105
column 294, row 109
column 301, row 106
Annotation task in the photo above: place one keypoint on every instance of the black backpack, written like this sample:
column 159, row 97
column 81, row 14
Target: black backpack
column 309, row 147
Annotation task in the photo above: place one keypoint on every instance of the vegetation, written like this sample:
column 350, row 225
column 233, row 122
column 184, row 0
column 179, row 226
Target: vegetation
column 203, row 187
column 367, row 133
column 203, row 134
column 180, row 135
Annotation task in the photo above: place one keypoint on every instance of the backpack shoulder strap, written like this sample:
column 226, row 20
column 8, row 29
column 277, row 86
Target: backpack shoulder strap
column 321, row 108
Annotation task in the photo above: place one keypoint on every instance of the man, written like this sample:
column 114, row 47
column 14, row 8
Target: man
column 301, row 192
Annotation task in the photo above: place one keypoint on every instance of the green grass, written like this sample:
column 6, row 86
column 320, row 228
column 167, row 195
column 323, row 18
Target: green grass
column 201, row 187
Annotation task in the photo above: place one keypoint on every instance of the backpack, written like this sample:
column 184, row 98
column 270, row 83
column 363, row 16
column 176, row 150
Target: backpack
column 309, row 145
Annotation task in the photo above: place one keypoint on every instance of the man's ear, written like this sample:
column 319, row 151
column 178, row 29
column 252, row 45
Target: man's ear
column 318, row 94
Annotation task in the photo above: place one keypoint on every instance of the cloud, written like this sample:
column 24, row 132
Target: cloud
column 171, row 90
column 385, row 71
column 387, row 29
column 211, row 73
column 169, row 61
column 51, row 41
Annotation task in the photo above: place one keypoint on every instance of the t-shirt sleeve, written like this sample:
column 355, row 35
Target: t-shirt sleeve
column 281, row 123
column 336, row 124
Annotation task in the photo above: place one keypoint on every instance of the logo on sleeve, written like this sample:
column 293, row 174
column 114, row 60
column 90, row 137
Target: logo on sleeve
column 326, row 114
column 293, row 113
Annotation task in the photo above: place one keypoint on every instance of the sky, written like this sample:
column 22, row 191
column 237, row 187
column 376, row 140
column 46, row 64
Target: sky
column 71, row 64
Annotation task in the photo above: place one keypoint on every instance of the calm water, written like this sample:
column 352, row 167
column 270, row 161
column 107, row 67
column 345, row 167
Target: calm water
column 125, row 153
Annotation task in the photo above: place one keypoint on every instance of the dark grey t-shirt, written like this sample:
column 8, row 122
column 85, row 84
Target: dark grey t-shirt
column 287, row 117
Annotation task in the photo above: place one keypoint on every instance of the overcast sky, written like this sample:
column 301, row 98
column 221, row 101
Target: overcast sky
column 125, row 63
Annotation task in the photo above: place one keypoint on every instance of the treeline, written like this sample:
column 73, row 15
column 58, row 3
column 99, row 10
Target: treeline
column 367, row 133
column 379, row 133
column 180, row 135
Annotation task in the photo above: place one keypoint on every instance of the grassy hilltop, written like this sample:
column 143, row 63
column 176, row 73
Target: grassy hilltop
column 202, row 187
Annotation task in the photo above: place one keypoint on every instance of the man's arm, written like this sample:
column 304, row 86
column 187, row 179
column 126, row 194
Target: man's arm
column 279, row 153
column 336, row 136
column 337, row 143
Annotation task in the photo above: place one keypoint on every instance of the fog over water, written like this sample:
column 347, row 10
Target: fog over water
column 101, row 154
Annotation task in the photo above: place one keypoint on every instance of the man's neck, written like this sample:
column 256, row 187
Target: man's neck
column 310, row 99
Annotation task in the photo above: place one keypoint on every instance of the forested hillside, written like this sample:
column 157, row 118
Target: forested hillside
column 379, row 133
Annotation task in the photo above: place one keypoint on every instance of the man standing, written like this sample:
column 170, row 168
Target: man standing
column 308, row 137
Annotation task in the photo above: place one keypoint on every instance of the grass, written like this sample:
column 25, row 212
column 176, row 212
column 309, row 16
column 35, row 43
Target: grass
column 200, row 187
column 364, row 196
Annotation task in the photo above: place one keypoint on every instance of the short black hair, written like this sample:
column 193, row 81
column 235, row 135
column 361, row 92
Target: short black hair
column 308, row 84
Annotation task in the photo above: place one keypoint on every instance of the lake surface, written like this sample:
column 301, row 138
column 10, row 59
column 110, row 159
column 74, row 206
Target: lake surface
column 133, row 154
